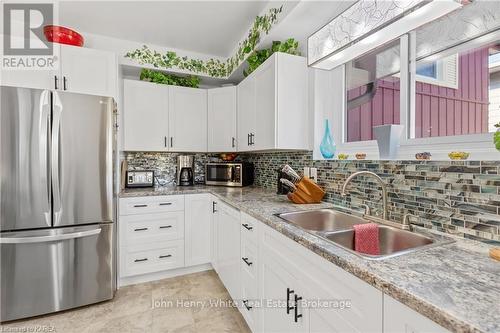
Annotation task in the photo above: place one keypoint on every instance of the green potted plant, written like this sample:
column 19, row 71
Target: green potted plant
column 254, row 60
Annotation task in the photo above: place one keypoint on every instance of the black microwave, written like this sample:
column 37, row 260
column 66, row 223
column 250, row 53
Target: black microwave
column 229, row 174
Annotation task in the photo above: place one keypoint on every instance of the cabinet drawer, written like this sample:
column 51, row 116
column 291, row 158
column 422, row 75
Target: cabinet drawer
column 249, row 228
column 157, row 204
column 153, row 257
column 157, row 227
column 249, row 259
column 251, row 302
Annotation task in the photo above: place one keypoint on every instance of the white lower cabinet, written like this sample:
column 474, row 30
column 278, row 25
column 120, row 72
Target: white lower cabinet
column 398, row 318
column 322, row 297
column 250, row 266
column 198, row 228
column 280, row 285
column 228, row 248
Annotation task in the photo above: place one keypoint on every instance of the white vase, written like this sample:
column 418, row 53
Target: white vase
column 388, row 140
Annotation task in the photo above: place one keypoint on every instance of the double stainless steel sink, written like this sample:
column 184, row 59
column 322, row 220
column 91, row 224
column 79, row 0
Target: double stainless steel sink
column 337, row 227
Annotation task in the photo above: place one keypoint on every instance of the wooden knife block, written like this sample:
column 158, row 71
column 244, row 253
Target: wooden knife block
column 307, row 192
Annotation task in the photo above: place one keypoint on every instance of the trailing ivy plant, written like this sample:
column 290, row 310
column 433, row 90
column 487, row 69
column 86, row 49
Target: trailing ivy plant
column 496, row 137
column 211, row 67
column 289, row 46
column 192, row 81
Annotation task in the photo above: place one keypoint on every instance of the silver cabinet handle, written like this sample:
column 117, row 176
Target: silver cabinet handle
column 165, row 256
column 165, row 203
column 171, row 141
column 139, row 260
column 141, row 229
column 140, row 206
column 64, row 83
column 51, row 238
column 56, row 186
column 55, row 82
column 233, row 142
column 165, row 141
column 165, row 226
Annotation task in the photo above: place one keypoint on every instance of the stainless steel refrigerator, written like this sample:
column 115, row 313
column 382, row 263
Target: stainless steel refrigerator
column 57, row 201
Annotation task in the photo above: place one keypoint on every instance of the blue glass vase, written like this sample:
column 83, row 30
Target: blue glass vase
column 327, row 146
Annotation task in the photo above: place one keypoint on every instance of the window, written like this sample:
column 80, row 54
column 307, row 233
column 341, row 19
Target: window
column 443, row 72
column 373, row 87
column 462, row 109
column 428, row 70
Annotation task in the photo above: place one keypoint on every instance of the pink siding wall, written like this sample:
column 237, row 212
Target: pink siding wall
column 439, row 111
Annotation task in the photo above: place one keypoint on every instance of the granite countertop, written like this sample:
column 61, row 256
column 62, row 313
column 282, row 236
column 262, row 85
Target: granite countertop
column 456, row 285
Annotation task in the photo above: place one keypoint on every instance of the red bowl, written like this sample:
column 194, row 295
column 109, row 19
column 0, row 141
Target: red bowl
column 62, row 35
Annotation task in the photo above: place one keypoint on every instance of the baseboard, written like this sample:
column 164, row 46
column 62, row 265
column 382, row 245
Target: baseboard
column 162, row 275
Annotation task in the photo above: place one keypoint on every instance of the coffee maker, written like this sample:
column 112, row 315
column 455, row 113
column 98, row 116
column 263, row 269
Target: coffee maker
column 185, row 170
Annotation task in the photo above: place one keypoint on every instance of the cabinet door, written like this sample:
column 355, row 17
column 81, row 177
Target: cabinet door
column 398, row 318
column 265, row 105
column 277, row 283
column 222, row 119
column 228, row 248
column 198, row 229
column 246, row 113
column 88, row 71
column 145, row 116
column 36, row 79
column 188, row 119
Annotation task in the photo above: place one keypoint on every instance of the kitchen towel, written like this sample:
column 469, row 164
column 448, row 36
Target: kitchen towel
column 366, row 238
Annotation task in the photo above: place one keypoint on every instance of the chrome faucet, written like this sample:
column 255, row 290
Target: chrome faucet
column 379, row 180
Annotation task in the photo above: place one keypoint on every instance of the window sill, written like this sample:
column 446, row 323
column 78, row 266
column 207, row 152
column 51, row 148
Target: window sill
column 480, row 147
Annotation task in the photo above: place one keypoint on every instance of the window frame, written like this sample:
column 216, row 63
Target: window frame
column 441, row 72
column 480, row 146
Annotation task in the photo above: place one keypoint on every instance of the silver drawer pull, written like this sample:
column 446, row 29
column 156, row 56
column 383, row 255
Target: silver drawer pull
column 139, row 260
column 141, row 229
column 245, row 259
column 165, row 203
column 165, row 226
column 165, row 256
column 247, row 226
column 139, row 206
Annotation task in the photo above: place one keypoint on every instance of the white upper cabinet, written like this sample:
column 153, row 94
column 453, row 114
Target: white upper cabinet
column 265, row 106
column 77, row 69
column 36, row 79
column 187, row 119
column 273, row 105
column 145, row 120
column 222, row 126
column 88, row 71
column 246, row 113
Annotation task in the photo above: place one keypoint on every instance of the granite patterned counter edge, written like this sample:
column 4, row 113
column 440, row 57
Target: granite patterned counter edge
column 469, row 309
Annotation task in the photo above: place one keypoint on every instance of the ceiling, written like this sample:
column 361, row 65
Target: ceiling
column 207, row 27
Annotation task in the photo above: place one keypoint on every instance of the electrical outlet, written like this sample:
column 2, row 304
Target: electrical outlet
column 307, row 172
column 313, row 174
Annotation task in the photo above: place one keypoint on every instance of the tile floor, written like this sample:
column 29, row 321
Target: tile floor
column 182, row 305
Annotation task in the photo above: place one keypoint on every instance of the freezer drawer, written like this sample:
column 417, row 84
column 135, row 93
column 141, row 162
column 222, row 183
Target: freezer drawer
column 45, row 271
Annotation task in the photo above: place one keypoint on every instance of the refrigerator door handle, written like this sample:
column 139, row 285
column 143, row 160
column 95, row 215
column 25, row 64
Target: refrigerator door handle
column 43, row 129
column 51, row 238
column 56, row 186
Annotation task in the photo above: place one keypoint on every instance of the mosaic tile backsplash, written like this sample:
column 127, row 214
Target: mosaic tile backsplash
column 459, row 197
column 164, row 165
